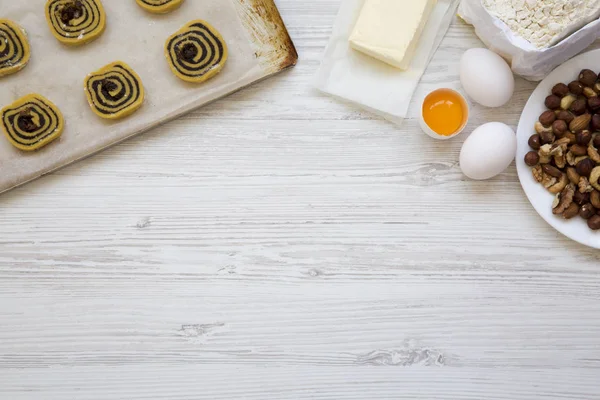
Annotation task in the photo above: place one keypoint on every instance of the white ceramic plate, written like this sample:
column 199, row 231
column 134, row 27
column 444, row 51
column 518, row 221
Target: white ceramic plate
column 539, row 197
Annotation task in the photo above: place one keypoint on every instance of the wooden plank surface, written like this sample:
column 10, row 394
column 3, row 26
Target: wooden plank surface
column 280, row 245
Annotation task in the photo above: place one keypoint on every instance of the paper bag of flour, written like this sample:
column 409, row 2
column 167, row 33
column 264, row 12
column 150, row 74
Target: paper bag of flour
column 527, row 60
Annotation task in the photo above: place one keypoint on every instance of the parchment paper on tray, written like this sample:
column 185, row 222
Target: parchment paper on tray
column 372, row 84
column 527, row 60
column 258, row 42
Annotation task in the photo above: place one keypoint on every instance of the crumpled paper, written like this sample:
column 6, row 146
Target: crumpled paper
column 526, row 60
column 373, row 85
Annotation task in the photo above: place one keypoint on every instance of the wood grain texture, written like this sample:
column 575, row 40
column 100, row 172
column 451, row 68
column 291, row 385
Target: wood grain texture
column 278, row 244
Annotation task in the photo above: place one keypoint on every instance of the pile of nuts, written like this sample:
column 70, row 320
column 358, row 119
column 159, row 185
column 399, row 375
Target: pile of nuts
column 565, row 156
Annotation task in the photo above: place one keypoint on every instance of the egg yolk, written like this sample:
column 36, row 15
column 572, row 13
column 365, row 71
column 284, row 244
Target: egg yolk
column 443, row 112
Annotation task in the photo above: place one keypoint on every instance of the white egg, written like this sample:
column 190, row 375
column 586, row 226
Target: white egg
column 488, row 151
column 486, row 77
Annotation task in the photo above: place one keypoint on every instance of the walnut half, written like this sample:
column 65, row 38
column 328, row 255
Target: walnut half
column 565, row 199
column 595, row 178
column 545, row 154
column 538, row 175
column 560, row 185
column 593, row 153
column 572, row 159
column 584, row 185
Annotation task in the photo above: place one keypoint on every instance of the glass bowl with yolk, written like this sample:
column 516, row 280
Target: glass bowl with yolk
column 444, row 114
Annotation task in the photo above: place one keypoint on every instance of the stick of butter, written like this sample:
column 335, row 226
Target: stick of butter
column 389, row 30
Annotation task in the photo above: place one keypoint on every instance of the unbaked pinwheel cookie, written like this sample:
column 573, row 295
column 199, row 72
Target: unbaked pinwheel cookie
column 114, row 91
column 14, row 48
column 75, row 22
column 31, row 122
column 196, row 52
column 159, row 6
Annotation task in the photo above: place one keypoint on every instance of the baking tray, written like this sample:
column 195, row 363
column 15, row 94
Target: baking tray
column 259, row 47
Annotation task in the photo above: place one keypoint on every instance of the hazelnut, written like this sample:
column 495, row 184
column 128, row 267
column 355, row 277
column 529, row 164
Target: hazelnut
column 576, row 88
column 560, row 90
column 597, row 141
column 587, row 211
column 579, row 150
column 553, row 102
column 571, row 212
column 547, row 118
column 565, row 116
column 552, row 171
column 571, row 137
column 595, row 199
column 565, row 102
column 585, row 167
column 547, row 137
column 559, row 127
column 581, row 198
column 595, row 124
column 535, row 142
column 587, row 77
column 532, row 158
column 594, row 223
column 578, row 107
column 584, row 138
column 594, row 102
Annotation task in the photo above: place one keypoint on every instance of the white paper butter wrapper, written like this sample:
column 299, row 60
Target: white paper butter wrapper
column 526, row 60
column 384, row 90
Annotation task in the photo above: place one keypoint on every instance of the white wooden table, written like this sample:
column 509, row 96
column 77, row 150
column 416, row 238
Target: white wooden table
column 280, row 245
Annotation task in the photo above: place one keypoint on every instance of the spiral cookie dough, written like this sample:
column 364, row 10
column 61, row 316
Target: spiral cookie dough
column 31, row 122
column 115, row 91
column 14, row 48
column 159, row 6
column 75, row 22
column 196, row 52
